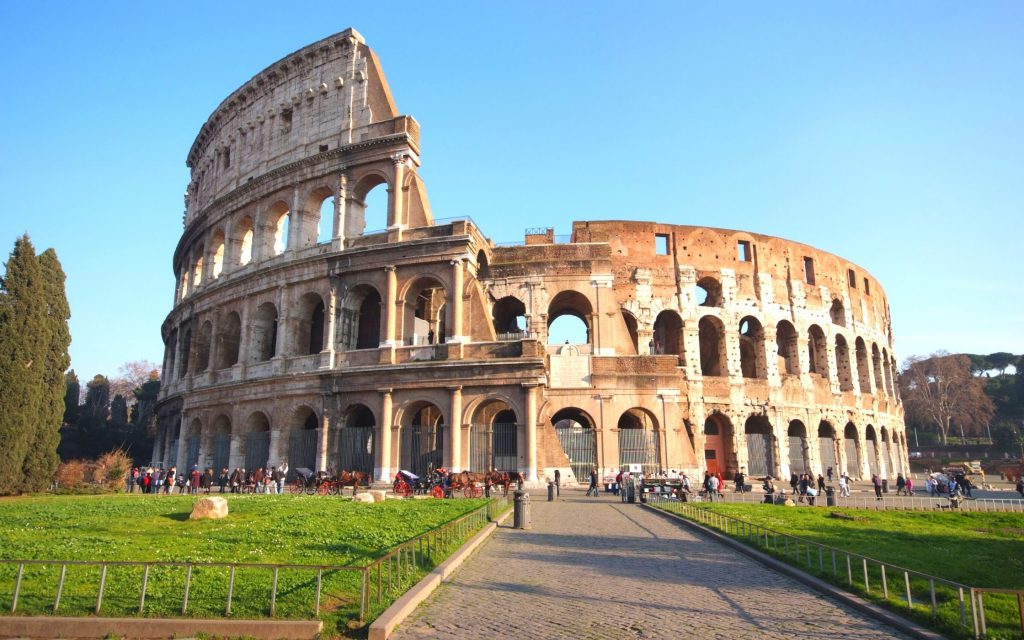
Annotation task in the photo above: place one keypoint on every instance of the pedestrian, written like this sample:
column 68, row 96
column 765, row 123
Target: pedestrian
column 740, row 481
column 821, row 483
column 194, row 477
column 1020, row 486
column 909, row 486
column 616, row 488
column 720, row 484
column 901, row 484
column 207, row 480
column 794, row 481
column 877, row 482
column 282, row 475
column 844, row 486
column 829, row 474
column 712, row 487
column 769, row 490
column 223, row 480
column 558, row 484
column 929, row 485
column 592, row 489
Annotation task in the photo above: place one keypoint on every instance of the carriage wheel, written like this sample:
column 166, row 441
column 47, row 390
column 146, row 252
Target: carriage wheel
column 334, row 488
column 468, row 491
column 296, row 486
column 323, row 488
column 310, row 488
column 403, row 489
column 477, row 491
column 437, row 492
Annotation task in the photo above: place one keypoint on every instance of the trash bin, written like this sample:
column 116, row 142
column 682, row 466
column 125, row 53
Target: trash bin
column 630, row 492
column 885, row 485
column 551, row 492
column 521, row 509
column 830, row 497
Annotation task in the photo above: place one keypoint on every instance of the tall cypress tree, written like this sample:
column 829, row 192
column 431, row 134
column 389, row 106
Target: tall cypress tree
column 41, row 460
column 22, row 336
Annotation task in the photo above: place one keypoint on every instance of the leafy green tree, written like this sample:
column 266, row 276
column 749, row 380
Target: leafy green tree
column 1001, row 360
column 22, row 360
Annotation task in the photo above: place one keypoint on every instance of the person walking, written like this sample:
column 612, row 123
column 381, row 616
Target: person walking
column 877, row 482
column 909, row 486
column 282, row 475
column 901, row 484
column 844, row 486
column 740, row 482
column 821, row 484
column 592, row 488
column 829, row 474
column 222, row 481
column 1020, row 486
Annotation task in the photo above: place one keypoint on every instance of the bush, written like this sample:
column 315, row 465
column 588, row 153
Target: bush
column 71, row 474
column 112, row 469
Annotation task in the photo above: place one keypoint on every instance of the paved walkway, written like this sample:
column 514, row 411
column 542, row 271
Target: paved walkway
column 597, row 568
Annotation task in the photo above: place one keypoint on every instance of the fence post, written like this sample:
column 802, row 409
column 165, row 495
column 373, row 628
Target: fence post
column 145, row 583
column 364, row 594
column 1020, row 610
column 231, row 590
column 273, row 594
column 867, row 587
column 17, row 586
column 103, row 582
column 963, row 611
column 885, row 583
column 931, row 589
column 849, row 570
column 60, row 587
column 319, row 585
column 188, row 585
column 974, row 615
column 981, row 613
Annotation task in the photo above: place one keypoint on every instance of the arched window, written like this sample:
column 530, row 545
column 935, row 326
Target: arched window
column 279, row 220
column 197, row 269
column 569, row 318
column 425, row 318
column 360, row 319
column 709, row 292
column 243, row 232
column 827, row 446
column 852, row 455
column 203, row 341
column 509, row 316
column 367, row 211
column 325, row 222
column 712, row 347
column 817, row 351
column 483, row 267
column 264, row 333
column 218, row 253
column 863, row 370
column 787, row 348
column 876, row 359
column 887, row 372
column 843, row 364
column 797, row 434
column 638, row 440
column 631, row 330
column 185, row 348
column 668, row 331
column 752, row 357
column 228, row 342
column 838, row 312
column 309, row 338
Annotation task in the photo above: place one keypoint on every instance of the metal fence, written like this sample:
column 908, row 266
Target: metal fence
column 917, row 592
column 638, row 446
column 379, row 583
column 355, row 448
column 580, row 446
column 422, row 448
column 302, row 448
column 257, row 449
column 493, row 446
column 891, row 502
column 760, row 461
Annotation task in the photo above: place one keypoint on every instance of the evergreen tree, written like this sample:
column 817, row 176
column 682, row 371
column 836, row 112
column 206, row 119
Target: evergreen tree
column 41, row 460
column 22, row 360
column 119, row 411
column 72, row 391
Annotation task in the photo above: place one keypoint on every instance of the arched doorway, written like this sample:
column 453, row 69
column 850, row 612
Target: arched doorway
column 850, row 446
column 576, row 434
column 718, row 453
column 355, row 439
column 221, row 443
column 303, row 441
column 257, row 441
column 422, row 438
column 827, row 446
column 871, row 449
column 760, row 446
column 493, row 443
column 797, row 434
column 638, row 441
column 885, row 452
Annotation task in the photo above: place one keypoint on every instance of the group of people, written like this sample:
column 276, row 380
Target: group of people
column 157, row 480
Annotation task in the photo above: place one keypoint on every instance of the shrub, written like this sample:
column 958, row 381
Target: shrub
column 112, row 469
column 71, row 474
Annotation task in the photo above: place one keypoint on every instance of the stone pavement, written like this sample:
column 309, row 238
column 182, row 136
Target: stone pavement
column 598, row 568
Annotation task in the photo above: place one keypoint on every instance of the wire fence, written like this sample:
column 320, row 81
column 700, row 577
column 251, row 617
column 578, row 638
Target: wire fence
column 890, row 502
column 944, row 604
column 214, row 589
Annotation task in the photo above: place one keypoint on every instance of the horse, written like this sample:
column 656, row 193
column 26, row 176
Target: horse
column 504, row 479
column 354, row 478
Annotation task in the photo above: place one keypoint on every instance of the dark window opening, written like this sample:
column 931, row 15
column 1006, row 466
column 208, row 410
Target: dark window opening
column 809, row 270
column 323, row 148
column 852, row 277
column 227, row 158
column 867, row 287
column 661, row 244
column 743, row 251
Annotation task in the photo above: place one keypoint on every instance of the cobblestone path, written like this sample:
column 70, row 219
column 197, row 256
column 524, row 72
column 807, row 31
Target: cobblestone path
column 598, row 568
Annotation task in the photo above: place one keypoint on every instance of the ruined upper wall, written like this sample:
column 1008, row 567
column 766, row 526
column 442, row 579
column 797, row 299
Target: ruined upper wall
column 772, row 273
column 328, row 94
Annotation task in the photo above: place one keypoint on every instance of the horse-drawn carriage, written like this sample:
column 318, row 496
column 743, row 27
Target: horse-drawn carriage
column 440, row 483
column 325, row 482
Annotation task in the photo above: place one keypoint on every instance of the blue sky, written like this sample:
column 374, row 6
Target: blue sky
column 888, row 133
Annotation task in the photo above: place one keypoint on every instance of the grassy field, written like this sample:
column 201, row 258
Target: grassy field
column 976, row 549
column 260, row 529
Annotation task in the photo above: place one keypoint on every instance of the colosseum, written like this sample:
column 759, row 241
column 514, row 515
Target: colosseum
column 298, row 333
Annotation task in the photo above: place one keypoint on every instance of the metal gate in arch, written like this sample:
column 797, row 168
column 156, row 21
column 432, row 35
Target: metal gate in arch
column 257, row 449
column 760, row 461
column 302, row 446
column 193, row 451
column 221, row 452
column 355, row 449
column 828, row 453
column 422, row 448
column 580, row 446
column 493, row 446
column 852, row 459
column 640, row 446
column 797, row 461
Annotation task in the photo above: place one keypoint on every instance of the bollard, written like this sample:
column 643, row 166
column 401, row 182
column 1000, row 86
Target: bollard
column 830, row 496
column 551, row 492
column 521, row 510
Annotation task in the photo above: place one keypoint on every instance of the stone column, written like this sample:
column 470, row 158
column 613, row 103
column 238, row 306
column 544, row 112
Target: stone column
column 182, row 454
column 327, row 355
column 383, row 471
column 235, row 458
column 324, row 435
column 338, row 223
column 389, row 307
column 396, row 220
column 159, row 444
column 456, row 297
column 455, row 430
column 531, row 432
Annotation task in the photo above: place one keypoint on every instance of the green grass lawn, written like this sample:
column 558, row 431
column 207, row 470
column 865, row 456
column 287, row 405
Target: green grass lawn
column 260, row 529
column 976, row 549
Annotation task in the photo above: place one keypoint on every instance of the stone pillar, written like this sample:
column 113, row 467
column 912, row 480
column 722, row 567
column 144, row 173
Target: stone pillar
column 338, row 223
column 324, row 435
column 330, row 340
column 383, row 471
column 396, row 219
column 455, row 431
column 531, row 432
column 182, row 454
column 456, row 296
column 274, row 455
column 159, row 444
column 235, row 458
column 389, row 307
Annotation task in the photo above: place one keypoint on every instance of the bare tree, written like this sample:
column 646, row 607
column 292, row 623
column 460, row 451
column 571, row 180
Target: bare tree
column 132, row 376
column 941, row 391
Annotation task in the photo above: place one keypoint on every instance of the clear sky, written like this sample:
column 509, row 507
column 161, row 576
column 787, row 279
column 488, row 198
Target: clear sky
column 890, row 133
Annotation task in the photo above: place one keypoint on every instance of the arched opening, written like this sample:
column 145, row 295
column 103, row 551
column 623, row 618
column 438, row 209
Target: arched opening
column 797, row 434
column 639, row 443
column 718, row 450
column 245, row 238
column 711, row 332
column 309, row 335
column 569, row 319
column 863, row 371
column 425, row 318
column 203, row 341
column 827, row 446
column 787, row 349
column 843, row 364
column 229, row 341
column 850, row 446
column 303, row 440
column 366, row 209
column 817, row 351
column 325, row 219
column 483, row 267
column 279, row 219
column 493, row 443
column 876, row 360
column 360, row 319
column 885, row 452
column 195, row 433
column 668, row 332
column 185, row 349
column 871, row 448
column 221, row 444
column 509, row 316
column 709, row 292
column 172, row 352
column 631, row 329
column 355, row 439
column 264, row 332
column 256, row 447
column 760, row 446
column 218, row 253
column 887, row 371
column 183, row 280
column 752, row 357
column 578, row 438
column 422, row 438
column 837, row 312
column 197, row 268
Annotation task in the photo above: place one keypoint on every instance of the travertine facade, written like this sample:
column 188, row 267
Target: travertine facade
column 297, row 334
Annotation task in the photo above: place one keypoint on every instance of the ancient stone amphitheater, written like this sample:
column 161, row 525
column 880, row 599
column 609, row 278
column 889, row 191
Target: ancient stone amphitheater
column 298, row 334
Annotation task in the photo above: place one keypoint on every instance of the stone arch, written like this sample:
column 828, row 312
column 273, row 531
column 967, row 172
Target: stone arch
column 837, row 312
column 639, row 440
column 320, row 201
column 264, row 333
column 863, row 370
column 578, row 436
column 494, row 436
column 752, row 353
column 256, row 443
column 709, row 292
column 193, row 442
column 757, row 431
column 422, row 433
column 220, row 443
column 228, row 341
column 799, row 457
column 843, row 372
column 632, row 328
column 197, row 267
column 851, row 440
column 573, row 304
column 713, row 358
column 887, row 372
column 718, row 445
column 276, row 235
column 218, row 253
column 817, row 351
column 483, row 266
column 827, row 446
column 303, row 439
column 356, row 438
column 668, row 332
column 243, row 236
column 787, row 348
column 876, row 363
column 356, row 206
column 185, row 350
column 871, row 449
column 425, row 310
column 361, row 318
column 310, row 324
column 204, row 340
column 509, row 317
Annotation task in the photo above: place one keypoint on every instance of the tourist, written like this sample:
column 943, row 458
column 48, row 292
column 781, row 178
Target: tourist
column 181, row 482
column 720, row 484
column 740, row 482
column 1020, row 486
column 821, row 484
column 794, row 481
column 235, row 480
column 844, row 486
column 168, row 480
column 257, row 479
column 711, row 486
column 901, row 484
column 967, row 485
column 282, row 473
column 223, row 480
column 558, row 484
column 207, row 480
column 686, row 483
column 803, row 484
column 829, row 474
column 909, row 486
column 618, row 483
column 877, row 482
column 929, row 485
column 769, row 490
column 194, row 477
column 592, row 489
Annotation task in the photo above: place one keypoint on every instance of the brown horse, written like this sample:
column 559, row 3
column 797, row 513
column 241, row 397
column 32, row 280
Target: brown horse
column 504, row 479
column 353, row 478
